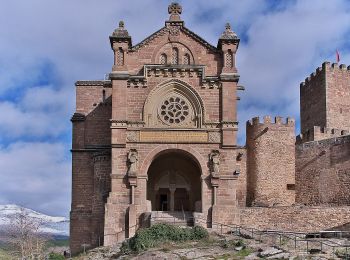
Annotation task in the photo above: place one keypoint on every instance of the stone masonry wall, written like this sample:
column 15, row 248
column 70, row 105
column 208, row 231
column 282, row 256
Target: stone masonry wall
column 313, row 100
column 298, row 219
column 270, row 162
column 323, row 172
column 338, row 96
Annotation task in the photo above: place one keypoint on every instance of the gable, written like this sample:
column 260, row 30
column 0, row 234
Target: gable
column 174, row 41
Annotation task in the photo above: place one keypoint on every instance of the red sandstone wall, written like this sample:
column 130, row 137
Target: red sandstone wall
column 323, row 172
column 91, row 129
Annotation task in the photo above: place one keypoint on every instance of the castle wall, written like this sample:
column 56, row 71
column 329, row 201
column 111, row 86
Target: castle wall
column 317, row 133
column 323, row 172
column 270, row 162
column 297, row 219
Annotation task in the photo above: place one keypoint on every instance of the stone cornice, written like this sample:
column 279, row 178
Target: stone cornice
column 93, row 83
column 120, row 75
column 78, row 117
column 229, row 77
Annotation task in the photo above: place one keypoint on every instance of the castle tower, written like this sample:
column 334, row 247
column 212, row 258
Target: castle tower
column 325, row 102
column 270, row 162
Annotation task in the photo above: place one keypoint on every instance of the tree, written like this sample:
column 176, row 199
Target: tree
column 26, row 237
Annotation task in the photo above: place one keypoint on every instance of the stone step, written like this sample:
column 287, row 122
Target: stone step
column 172, row 217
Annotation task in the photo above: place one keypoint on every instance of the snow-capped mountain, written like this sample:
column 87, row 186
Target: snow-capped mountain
column 49, row 224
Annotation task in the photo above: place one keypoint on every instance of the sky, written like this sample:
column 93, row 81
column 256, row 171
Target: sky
column 45, row 46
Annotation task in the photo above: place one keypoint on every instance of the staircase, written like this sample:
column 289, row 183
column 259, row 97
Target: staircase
column 181, row 218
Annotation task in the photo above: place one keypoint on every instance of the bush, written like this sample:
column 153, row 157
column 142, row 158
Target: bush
column 160, row 233
column 55, row 256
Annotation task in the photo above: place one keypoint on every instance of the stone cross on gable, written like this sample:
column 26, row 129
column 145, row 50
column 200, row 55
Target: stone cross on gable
column 174, row 8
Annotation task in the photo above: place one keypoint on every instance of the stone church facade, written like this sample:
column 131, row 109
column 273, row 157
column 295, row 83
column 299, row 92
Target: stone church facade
column 160, row 136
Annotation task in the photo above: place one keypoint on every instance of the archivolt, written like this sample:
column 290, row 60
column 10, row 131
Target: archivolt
column 173, row 87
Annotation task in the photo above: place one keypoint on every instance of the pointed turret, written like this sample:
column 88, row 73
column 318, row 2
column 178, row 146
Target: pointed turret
column 120, row 43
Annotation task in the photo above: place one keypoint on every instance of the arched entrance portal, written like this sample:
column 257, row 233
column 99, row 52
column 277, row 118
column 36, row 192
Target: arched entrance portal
column 174, row 183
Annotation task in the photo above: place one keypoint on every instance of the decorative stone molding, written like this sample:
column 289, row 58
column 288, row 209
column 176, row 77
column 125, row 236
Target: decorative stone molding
column 119, row 124
column 135, row 124
column 132, row 136
column 211, row 83
column 229, row 124
column 137, row 82
column 94, row 83
column 174, row 71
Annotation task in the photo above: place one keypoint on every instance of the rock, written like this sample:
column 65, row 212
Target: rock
column 270, row 251
column 252, row 256
column 280, row 256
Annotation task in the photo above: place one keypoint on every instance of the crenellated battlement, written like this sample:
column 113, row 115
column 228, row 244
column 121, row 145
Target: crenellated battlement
column 267, row 120
column 319, row 133
column 320, row 71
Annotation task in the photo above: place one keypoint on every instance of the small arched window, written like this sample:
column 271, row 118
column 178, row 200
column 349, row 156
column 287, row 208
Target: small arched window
column 186, row 59
column 120, row 57
column 103, row 95
column 163, row 59
column 229, row 59
column 175, row 56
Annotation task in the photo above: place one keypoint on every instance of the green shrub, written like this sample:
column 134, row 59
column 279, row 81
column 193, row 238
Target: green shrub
column 160, row 233
column 55, row 256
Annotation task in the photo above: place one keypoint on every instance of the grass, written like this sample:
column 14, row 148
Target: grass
column 4, row 255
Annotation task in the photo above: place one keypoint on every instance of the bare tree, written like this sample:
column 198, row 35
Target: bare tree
column 26, row 237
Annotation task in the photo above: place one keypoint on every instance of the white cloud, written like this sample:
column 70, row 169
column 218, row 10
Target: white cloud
column 36, row 175
column 42, row 112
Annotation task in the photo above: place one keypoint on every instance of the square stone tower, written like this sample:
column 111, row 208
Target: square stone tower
column 325, row 102
column 158, row 135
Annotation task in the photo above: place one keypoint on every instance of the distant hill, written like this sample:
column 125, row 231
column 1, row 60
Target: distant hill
column 55, row 226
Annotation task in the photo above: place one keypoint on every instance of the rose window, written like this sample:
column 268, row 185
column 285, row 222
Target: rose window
column 174, row 110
